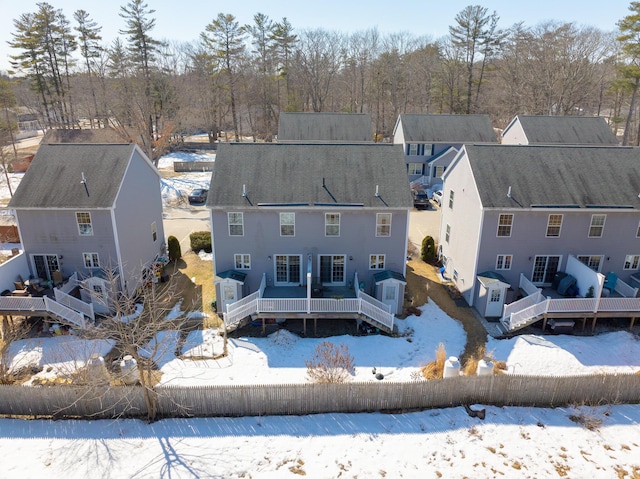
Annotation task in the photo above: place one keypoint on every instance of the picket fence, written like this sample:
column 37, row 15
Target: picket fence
column 299, row 399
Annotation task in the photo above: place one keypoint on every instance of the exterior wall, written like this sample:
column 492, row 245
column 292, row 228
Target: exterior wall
column 262, row 241
column 138, row 205
column 438, row 148
column 55, row 232
column 514, row 135
column 400, row 300
column 465, row 219
column 10, row 269
column 528, row 239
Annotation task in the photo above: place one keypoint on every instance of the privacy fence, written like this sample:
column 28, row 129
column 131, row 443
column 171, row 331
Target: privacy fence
column 299, row 399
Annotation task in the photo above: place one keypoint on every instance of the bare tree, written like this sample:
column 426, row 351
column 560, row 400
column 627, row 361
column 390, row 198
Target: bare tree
column 630, row 39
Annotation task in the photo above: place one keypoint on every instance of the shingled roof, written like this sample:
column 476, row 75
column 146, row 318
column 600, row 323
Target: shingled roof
column 565, row 130
column 54, row 178
column 294, row 174
column 321, row 127
column 554, row 176
column 447, row 128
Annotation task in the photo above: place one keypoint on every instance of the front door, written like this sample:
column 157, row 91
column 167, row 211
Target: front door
column 544, row 269
column 228, row 295
column 45, row 265
column 495, row 302
column 332, row 269
column 390, row 295
column 288, row 270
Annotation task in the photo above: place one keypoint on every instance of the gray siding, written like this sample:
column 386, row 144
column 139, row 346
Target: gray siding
column 138, row 205
column 465, row 220
column 528, row 239
column 56, row 232
column 357, row 239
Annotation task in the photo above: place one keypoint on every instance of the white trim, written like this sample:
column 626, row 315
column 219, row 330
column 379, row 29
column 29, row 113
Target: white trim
column 503, row 262
column 286, row 224
column 344, row 269
column 116, row 241
column 510, row 226
column 377, row 262
column 301, row 276
column 229, row 224
column 380, row 224
column 328, row 224
column 241, row 262
column 90, row 223
column 92, row 266
column 635, row 258
column 546, row 233
column 597, row 226
column 588, row 257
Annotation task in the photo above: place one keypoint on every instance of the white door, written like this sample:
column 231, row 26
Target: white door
column 228, row 295
column 495, row 302
column 390, row 295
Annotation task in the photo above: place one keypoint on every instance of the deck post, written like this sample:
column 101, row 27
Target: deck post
column 544, row 322
column 264, row 326
column 633, row 320
column 584, row 323
column 593, row 323
column 315, row 326
column 304, row 325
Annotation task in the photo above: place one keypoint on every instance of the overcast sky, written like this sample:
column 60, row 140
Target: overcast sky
column 184, row 20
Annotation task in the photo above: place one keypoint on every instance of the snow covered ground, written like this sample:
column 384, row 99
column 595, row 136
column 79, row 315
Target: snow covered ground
column 600, row 442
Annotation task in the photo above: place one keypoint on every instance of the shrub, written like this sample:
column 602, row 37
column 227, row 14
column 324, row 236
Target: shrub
column 428, row 251
column 330, row 363
column 173, row 245
column 200, row 240
column 435, row 369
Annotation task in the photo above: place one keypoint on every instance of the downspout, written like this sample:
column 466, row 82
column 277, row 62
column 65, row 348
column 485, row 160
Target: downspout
column 406, row 248
column 309, row 283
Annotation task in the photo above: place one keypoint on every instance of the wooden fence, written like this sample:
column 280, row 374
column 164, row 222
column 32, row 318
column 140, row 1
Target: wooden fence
column 297, row 399
column 198, row 166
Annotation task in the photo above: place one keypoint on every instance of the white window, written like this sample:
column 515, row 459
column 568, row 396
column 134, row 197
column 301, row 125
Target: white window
column 332, row 224
column 236, row 224
column 415, row 168
column 413, row 149
column 91, row 260
column 504, row 261
column 154, row 231
column 438, row 171
column 383, row 224
column 83, row 218
column 376, row 261
column 242, row 261
column 496, row 296
column 451, row 199
column 592, row 262
column 554, row 224
column 447, row 234
column 287, row 224
column 597, row 226
column 504, row 225
column 631, row 261
column 428, row 149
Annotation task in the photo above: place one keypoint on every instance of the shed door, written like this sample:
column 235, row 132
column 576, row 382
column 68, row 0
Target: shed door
column 390, row 295
column 495, row 302
column 228, row 295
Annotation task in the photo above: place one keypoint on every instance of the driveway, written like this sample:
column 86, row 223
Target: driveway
column 424, row 223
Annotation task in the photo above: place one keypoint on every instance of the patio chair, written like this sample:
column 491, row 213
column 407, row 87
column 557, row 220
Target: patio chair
column 19, row 289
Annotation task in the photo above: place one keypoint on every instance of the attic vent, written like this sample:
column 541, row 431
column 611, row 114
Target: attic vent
column 509, row 192
column 377, row 192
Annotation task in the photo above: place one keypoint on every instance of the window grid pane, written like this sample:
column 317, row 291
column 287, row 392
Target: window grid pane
column 504, row 225
column 376, row 261
column 332, row 224
column 287, row 224
column 383, row 224
column 597, row 226
column 631, row 261
column 553, row 225
column 236, row 224
column 84, row 223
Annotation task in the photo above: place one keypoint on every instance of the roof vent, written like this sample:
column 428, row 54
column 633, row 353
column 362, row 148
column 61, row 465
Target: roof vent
column 244, row 191
column 509, row 193
column 84, row 182
column 377, row 193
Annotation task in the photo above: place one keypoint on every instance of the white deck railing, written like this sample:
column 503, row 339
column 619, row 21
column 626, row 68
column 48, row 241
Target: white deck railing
column 70, row 284
column 522, row 304
column 619, row 304
column 74, row 303
column 527, row 286
column 624, row 290
column 573, row 305
column 42, row 304
column 375, row 310
column 523, row 318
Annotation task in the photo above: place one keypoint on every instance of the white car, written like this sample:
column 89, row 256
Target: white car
column 437, row 197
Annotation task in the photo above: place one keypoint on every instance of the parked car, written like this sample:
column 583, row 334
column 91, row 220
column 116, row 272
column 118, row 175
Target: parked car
column 420, row 199
column 199, row 195
column 437, row 197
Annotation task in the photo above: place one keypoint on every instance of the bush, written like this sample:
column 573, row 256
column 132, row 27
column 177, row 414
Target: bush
column 200, row 240
column 435, row 369
column 428, row 251
column 173, row 245
column 330, row 363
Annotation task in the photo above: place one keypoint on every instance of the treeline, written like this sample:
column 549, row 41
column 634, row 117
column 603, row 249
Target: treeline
column 237, row 78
